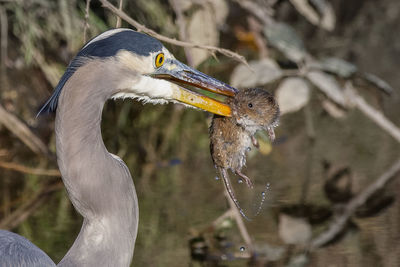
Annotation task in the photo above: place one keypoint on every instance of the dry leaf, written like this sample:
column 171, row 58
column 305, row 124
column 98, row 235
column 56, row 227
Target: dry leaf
column 284, row 38
column 221, row 10
column 301, row 260
column 265, row 147
column 202, row 29
column 333, row 110
column 272, row 252
column 318, row 12
column 335, row 66
column 184, row 4
column 262, row 72
column 327, row 13
column 327, row 84
column 294, row 230
column 306, row 10
column 378, row 82
column 292, row 94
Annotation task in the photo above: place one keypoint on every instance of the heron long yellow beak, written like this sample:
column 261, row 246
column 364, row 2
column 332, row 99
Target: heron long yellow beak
column 181, row 74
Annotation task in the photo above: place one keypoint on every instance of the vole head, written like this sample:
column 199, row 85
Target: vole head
column 255, row 109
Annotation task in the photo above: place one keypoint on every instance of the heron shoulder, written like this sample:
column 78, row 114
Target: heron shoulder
column 16, row 250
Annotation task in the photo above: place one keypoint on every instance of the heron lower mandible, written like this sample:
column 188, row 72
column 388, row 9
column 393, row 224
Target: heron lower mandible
column 116, row 64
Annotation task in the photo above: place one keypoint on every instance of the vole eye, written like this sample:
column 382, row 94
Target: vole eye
column 250, row 105
column 271, row 100
column 159, row 60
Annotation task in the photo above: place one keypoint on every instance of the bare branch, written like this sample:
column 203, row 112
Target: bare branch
column 340, row 221
column 4, row 39
column 350, row 98
column 180, row 20
column 29, row 207
column 28, row 170
column 86, row 25
column 371, row 112
column 142, row 28
column 239, row 221
column 51, row 72
column 118, row 24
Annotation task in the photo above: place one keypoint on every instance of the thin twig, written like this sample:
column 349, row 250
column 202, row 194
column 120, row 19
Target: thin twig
column 170, row 129
column 180, row 21
column 17, row 127
column 239, row 222
column 86, row 25
column 261, row 43
column 29, row 207
column 310, row 130
column 28, row 170
column 220, row 219
column 118, row 24
column 349, row 98
column 163, row 38
column 50, row 71
column 340, row 222
column 371, row 112
column 260, row 12
column 4, row 40
column 65, row 12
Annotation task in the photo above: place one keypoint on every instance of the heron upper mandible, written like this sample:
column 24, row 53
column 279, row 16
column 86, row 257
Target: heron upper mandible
column 118, row 63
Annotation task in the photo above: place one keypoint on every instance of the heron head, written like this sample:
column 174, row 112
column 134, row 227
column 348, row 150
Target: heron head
column 158, row 76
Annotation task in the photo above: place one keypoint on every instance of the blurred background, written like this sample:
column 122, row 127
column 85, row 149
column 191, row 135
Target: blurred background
column 333, row 196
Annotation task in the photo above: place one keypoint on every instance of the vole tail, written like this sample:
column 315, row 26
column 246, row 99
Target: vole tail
column 229, row 188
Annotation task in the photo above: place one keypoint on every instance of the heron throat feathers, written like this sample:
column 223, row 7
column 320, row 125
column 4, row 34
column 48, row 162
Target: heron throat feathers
column 147, row 90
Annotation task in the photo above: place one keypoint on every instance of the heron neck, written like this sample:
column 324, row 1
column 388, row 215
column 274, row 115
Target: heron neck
column 98, row 183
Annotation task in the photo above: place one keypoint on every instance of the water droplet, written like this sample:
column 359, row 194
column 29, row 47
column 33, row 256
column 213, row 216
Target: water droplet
column 216, row 178
column 263, row 197
column 240, row 181
column 242, row 248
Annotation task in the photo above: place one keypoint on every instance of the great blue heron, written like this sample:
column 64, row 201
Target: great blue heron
column 118, row 63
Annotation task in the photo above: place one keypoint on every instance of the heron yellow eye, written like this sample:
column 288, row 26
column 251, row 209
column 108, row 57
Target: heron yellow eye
column 159, row 60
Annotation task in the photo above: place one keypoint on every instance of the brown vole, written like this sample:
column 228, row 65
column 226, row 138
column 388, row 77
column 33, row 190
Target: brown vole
column 230, row 137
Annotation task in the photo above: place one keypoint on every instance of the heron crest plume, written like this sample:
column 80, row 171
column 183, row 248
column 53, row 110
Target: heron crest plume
column 118, row 42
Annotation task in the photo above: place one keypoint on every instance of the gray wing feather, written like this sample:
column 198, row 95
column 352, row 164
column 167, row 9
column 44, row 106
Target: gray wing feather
column 17, row 251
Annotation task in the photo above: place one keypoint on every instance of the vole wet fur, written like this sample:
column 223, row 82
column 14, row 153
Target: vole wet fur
column 253, row 109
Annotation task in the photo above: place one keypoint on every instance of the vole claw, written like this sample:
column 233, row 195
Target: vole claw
column 248, row 181
column 255, row 142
